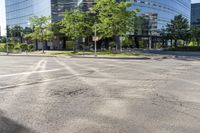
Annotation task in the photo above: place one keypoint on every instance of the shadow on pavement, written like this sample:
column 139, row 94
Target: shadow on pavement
column 9, row 126
column 186, row 56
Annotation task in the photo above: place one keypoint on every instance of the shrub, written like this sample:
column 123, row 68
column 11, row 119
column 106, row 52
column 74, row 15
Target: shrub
column 185, row 48
column 24, row 47
column 142, row 44
column 70, row 45
column 30, row 48
column 112, row 44
column 2, row 47
column 11, row 46
column 126, row 43
column 17, row 47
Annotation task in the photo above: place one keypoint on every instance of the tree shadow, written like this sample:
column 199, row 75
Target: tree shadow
column 186, row 58
column 179, row 55
column 9, row 126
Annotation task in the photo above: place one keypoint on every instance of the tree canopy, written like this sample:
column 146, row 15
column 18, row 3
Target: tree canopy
column 178, row 28
column 76, row 24
column 113, row 18
column 42, row 29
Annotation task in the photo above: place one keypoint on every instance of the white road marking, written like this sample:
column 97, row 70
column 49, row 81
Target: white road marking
column 43, row 81
column 27, row 73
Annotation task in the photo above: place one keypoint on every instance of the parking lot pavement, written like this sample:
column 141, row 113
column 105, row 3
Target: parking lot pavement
column 71, row 95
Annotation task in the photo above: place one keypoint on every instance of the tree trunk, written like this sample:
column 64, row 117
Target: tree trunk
column 36, row 44
column 77, row 45
column 137, row 43
column 175, row 43
column 64, row 43
column 117, row 42
column 171, row 43
column 42, row 47
column 46, row 45
column 163, row 43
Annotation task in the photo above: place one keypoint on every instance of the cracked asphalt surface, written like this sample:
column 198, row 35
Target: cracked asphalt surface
column 71, row 95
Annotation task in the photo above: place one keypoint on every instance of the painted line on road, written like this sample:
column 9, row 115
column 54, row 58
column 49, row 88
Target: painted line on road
column 27, row 73
column 43, row 81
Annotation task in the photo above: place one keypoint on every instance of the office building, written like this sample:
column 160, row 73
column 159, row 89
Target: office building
column 157, row 13
column 195, row 15
column 162, row 11
column 18, row 12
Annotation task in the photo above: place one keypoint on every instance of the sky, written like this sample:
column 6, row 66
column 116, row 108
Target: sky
column 3, row 21
column 2, row 17
column 195, row 1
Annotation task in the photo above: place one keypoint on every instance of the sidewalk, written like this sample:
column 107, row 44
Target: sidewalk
column 26, row 54
column 169, row 53
column 148, row 56
column 112, row 57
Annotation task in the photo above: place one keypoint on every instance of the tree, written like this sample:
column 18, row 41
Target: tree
column 76, row 24
column 27, row 32
column 15, row 33
column 113, row 18
column 195, row 34
column 178, row 28
column 3, row 39
column 18, row 32
column 187, row 37
column 42, row 29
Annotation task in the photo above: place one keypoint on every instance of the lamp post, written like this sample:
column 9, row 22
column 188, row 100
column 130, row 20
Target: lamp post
column 95, row 39
column 7, row 52
column 7, row 44
column 94, row 14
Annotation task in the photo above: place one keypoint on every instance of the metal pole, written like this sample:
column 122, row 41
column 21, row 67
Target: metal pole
column 95, row 41
column 7, row 44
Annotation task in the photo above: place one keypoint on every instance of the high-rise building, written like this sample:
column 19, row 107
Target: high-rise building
column 58, row 7
column 18, row 12
column 156, row 13
column 195, row 15
column 164, row 10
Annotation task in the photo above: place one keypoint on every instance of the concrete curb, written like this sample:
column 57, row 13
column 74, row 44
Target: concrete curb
column 106, row 57
column 92, row 57
column 28, row 55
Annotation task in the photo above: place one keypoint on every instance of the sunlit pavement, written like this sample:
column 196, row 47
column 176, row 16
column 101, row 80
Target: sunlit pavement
column 71, row 95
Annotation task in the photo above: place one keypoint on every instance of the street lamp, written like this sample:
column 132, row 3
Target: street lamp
column 95, row 39
column 94, row 14
column 7, row 45
column 7, row 52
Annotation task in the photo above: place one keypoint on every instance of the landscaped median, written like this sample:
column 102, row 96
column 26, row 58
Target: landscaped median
column 185, row 49
column 2, row 47
column 102, row 54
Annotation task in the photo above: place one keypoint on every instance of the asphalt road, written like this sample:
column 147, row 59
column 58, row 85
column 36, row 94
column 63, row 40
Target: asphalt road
column 67, row 95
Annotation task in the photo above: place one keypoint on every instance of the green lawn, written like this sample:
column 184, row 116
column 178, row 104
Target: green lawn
column 186, row 48
column 2, row 47
column 2, row 44
column 107, row 53
column 118, row 54
column 60, row 52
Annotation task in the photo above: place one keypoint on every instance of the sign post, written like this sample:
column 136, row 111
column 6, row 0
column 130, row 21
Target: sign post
column 95, row 40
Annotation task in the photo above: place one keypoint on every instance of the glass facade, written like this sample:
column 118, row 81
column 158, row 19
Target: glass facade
column 18, row 12
column 165, row 9
column 195, row 14
column 60, row 6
